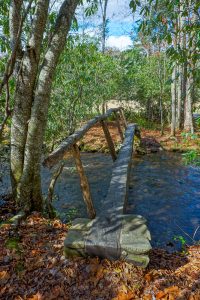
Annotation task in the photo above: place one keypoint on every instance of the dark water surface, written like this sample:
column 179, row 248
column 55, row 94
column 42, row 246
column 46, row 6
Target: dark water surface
column 162, row 189
column 167, row 194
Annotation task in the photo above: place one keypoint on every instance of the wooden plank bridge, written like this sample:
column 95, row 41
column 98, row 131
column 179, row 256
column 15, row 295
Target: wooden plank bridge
column 112, row 234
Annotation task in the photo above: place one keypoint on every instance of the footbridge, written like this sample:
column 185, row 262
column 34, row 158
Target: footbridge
column 112, row 233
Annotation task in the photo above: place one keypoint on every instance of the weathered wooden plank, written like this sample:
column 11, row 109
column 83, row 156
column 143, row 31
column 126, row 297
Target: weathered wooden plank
column 66, row 145
column 104, row 237
column 119, row 126
column 109, row 140
column 115, row 201
column 84, row 182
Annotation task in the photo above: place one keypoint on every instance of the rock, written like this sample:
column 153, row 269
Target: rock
column 75, row 239
column 134, row 245
column 135, row 226
column 81, row 224
column 139, row 260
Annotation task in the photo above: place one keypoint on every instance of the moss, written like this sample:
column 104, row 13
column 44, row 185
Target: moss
column 13, row 243
column 19, row 267
column 139, row 260
column 70, row 253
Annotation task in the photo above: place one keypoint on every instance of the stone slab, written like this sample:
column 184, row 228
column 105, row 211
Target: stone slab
column 75, row 239
column 132, row 245
column 83, row 224
column 137, row 245
column 138, row 260
column 135, row 226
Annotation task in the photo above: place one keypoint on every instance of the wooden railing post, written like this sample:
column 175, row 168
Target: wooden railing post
column 84, row 182
column 119, row 126
column 109, row 140
column 123, row 118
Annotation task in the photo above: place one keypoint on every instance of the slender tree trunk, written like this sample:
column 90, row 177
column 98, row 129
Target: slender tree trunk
column 179, row 96
column 191, row 43
column 188, row 122
column 103, row 5
column 173, row 99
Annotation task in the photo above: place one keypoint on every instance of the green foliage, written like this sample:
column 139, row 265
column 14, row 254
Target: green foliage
column 158, row 21
column 4, row 26
column 85, row 78
column 198, row 122
column 182, row 240
column 143, row 80
column 192, row 157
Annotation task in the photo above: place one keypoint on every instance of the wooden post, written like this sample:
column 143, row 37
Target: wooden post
column 119, row 127
column 84, row 182
column 53, row 182
column 123, row 118
column 109, row 140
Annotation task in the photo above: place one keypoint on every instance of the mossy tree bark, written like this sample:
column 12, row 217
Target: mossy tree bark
column 32, row 97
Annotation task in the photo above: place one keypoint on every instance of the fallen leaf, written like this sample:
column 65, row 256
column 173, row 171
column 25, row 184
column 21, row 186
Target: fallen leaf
column 171, row 289
column 4, row 276
column 125, row 296
column 160, row 295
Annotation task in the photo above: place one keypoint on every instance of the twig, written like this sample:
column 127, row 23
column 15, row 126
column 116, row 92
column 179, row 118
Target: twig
column 196, row 231
column 185, row 232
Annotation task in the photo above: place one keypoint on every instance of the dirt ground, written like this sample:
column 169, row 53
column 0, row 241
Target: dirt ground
column 94, row 140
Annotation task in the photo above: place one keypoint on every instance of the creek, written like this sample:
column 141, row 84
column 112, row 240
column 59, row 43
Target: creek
column 162, row 189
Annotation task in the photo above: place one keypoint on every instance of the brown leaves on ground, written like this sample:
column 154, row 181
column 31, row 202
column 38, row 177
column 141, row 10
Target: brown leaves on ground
column 178, row 143
column 94, row 139
column 33, row 267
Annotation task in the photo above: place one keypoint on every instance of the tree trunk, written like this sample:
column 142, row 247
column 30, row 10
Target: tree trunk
column 179, row 96
column 191, row 46
column 173, row 97
column 188, row 121
column 24, row 94
column 31, row 104
column 103, row 5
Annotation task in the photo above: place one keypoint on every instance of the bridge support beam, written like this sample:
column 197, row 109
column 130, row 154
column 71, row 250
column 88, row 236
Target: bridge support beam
column 109, row 140
column 119, row 126
column 84, row 182
column 121, row 112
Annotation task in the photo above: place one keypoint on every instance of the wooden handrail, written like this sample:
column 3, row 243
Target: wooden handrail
column 67, row 143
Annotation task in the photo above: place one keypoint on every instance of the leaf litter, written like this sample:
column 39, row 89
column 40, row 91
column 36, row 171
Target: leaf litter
column 33, row 267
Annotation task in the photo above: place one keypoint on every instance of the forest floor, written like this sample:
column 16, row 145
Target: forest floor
column 94, row 140
column 33, row 267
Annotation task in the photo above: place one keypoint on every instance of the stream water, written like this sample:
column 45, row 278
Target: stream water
column 162, row 189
